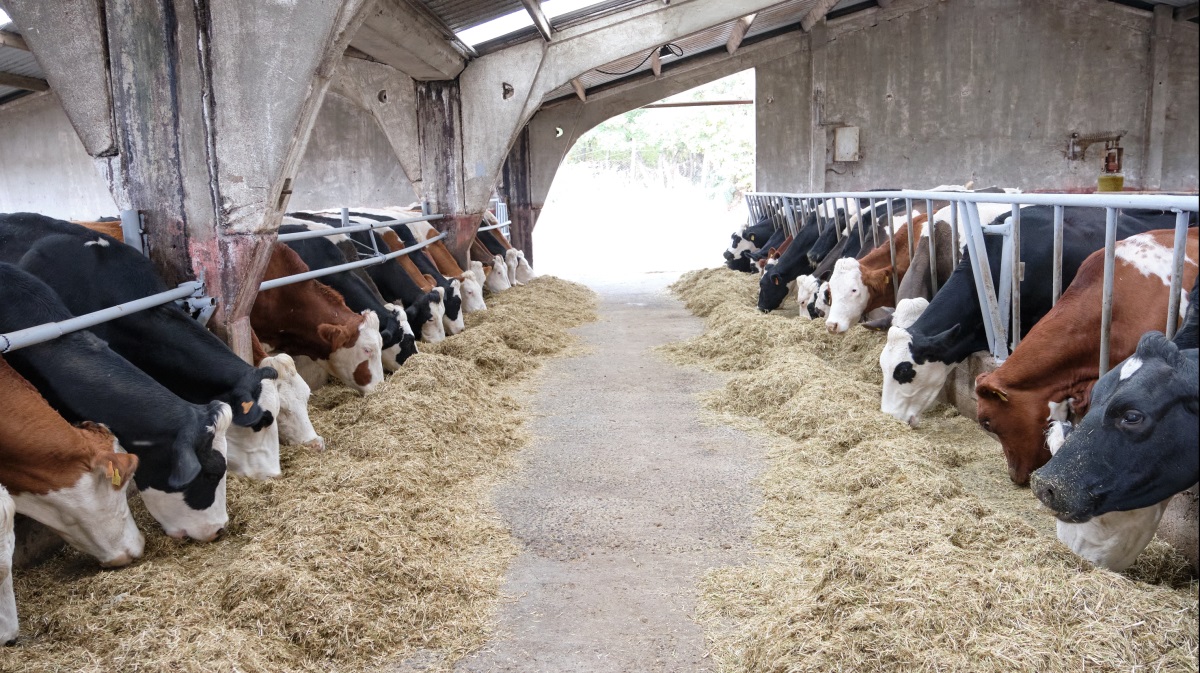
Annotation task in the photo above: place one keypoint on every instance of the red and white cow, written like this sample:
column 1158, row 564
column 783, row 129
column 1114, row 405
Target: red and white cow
column 74, row 480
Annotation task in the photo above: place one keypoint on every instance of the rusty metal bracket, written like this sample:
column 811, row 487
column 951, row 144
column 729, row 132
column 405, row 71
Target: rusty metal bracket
column 1077, row 144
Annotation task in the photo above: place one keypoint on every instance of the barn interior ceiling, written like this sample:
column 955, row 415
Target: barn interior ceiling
column 447, row 26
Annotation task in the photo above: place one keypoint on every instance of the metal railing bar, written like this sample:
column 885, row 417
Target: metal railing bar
column 348, row 266
column 1181, row 227
column 1105, row 200
column 1110, row 249
column 494, row 226
column 985, row 287
column 37, row 334
column 891, row 223
column 318, row 233
column 1017, row 276
column 954, row 244
column 931, row 227
column 908, row 210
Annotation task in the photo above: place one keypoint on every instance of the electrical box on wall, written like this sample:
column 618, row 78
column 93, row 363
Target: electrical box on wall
column 845, row 143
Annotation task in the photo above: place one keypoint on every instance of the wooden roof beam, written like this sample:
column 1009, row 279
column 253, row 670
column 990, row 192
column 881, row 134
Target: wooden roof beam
column 577, row 85
column 11, row 39
column 817, row 14
column 22, row 82
column 534, row 8
column 740, row 28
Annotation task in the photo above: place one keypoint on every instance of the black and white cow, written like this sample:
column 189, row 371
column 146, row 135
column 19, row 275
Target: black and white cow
column 180, row 446
column 1136, row 446
column 750, row 239
column 92, row 271
column 453, row 293
column 919, row 358
column 793, row 263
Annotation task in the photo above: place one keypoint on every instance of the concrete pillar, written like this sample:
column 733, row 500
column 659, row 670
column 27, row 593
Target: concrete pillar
column 1156, row 110
column 517, row 188
column 207, row 107
column 818, row 42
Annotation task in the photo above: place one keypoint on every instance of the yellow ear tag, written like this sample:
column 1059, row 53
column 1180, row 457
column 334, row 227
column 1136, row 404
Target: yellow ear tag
column 116, row 479
column 246, row 407
column 1001, row 395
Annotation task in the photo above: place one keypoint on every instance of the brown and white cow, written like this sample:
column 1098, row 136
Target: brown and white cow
column 859, row 286
column 74, row 480
column 309, row 320
column 1054, row 368
column 10, row 628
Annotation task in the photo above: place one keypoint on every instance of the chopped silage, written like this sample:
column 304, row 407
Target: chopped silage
column 383, row 545
column 884, row 548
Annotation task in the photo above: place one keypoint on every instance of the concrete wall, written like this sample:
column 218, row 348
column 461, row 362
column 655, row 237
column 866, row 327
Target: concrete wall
column 44, row 167
column 46, row 170
column 348, row 162
column 990, row 91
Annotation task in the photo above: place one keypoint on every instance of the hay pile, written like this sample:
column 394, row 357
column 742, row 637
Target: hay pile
column 886, row 548
column 382, row 545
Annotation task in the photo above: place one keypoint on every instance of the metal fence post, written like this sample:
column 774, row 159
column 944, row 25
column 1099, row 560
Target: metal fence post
column 931, row 228
column 1181, row 226
column 1110, row 248
column 1056, row 275
column 1018, row 274
column 891, row 224
column 985, row 289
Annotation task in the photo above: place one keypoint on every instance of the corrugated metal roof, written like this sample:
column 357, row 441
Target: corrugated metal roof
column 17, row 62
column 462, row 14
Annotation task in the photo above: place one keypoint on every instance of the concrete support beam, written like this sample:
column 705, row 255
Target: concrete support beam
column 1187, row 13
column 739, row 33
column 816, row 14
column 534, row 8
column 76, row 67
column 212, row 104
column 580, row 92
column 818, row 44
column 655, row 63
column 397, row 34
column 391, row 97
column 11, row 39
column 883, row 4
column 1156, row 119
column 22, row 82
column 516, row 183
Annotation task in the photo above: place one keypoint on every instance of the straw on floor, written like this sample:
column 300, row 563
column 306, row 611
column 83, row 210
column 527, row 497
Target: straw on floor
column 883, row 548
column 382, row 545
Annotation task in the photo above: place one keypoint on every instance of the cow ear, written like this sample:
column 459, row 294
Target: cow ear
column 267, row 373
column 185, row 464
column 334, row 334
column 117, row 468
column 985, row 389
column 945, row 338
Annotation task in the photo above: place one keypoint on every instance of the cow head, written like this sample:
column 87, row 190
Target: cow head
column 524, row 270
column 849, row 295
column 472, row 293
column 254, row 452
column 453, row 319
column 911, row 381
column 497, row 279
column 295, row 427
column 356, row 356
column 184, row 487
column 93, row 514
column 1136, row 446
column 772, row 290
column 395, row 356
column 1018, row 419
column 9, row 628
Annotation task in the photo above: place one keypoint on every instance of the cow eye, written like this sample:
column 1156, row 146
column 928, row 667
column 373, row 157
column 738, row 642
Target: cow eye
column 853, row 290
column 987, row 424
column 1133, row 417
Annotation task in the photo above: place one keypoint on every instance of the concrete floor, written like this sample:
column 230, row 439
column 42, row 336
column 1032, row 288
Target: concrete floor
column 624, row 501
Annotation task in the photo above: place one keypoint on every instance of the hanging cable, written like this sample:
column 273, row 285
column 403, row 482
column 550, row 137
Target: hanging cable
column 668, row 49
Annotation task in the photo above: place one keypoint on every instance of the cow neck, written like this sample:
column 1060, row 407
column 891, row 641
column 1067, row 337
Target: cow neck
column 38, row 445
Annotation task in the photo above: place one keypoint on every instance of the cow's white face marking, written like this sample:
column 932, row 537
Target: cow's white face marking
column 1060, row 411
column 524, row 270
column 434, row 330
column 472, row 294
column 91, row 516
column 1056, row 434
column 807, row 287
column 1149, row 257
column 390, row 356
column 743, row 246
column 314, row 373
column 256, row 454
column 906, row 401
column 176, row 517
column 344, row 363
column 1112, row 540
column 848, row 296
column 1130, row 367
column 9, row 627
column 497, row 280
column 457, row 325
column 510, row 261
column 295, row 427
column 99, row 241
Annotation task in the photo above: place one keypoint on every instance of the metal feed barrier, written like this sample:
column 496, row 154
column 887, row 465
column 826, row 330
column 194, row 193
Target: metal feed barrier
column 1002, row 303
column 191, row 294
column 500, row 209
